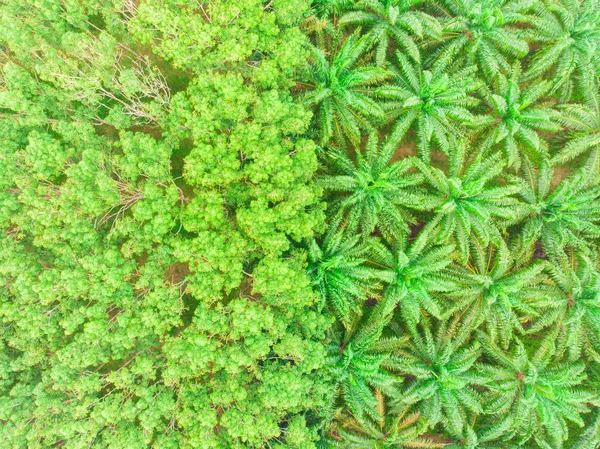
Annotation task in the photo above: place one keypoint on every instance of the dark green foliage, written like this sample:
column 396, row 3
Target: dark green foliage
column 433, row 102
column 476, row 199
column 371, row 192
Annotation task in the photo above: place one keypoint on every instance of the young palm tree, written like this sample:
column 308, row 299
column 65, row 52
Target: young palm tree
column 569, row 34
column 393, row 20
column 342, row 90
column 499, row 291
column 516, row 123
column 469, row 201
column 575, row 308
column 444, row 376
column 371, row 192
column 415, row 275
column 535, row 390
column 434, row 102
column 569, row 214
column 584, row 121
column 402, row 429
column 360, row 360
column 484, row 33
column 338, row 272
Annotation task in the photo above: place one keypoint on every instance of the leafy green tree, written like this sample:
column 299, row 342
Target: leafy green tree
column 341, row 91
column 432, row 101
column 396, row 21
column 371, row 193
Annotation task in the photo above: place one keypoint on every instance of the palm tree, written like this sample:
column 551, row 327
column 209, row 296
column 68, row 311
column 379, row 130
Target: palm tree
column 360, row 360
column 469, row 200
column 434, row 101
column 575, row 307
column 342, row 89
column 415, row 274
column 535, row 390
column 499, row 291
column 516, row 123
column 482, row 32
column 584, row 121
column 402, row 429
column 338, row 272
column 371, row 192
column 569, row 214
column 444, row 376
column 569, row 34
column 393, row 20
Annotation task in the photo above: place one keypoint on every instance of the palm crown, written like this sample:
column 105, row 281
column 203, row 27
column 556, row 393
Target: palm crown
column 341, row 91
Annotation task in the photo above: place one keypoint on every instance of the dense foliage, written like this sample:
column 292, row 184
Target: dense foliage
column 461, row 169
column 285, row 224
column 154, row 188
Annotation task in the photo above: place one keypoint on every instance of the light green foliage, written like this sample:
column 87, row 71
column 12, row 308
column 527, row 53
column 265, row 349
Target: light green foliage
column 154, row 182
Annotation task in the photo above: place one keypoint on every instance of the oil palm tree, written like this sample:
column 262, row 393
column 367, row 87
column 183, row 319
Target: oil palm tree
column 484, row 33
column 341, row 91
column 469, row 202
column 540, row 393
column 569, row 214
column 338, row 271
column 397, row 21
column 583, row 120
column 360, row 360
column 433, row 102
column 401, row 429
column 371, row 192
column 569, row 34
column 499, row 291
column 415, row 274
column 575, row 307
column 516, row 123
column 444, row 376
